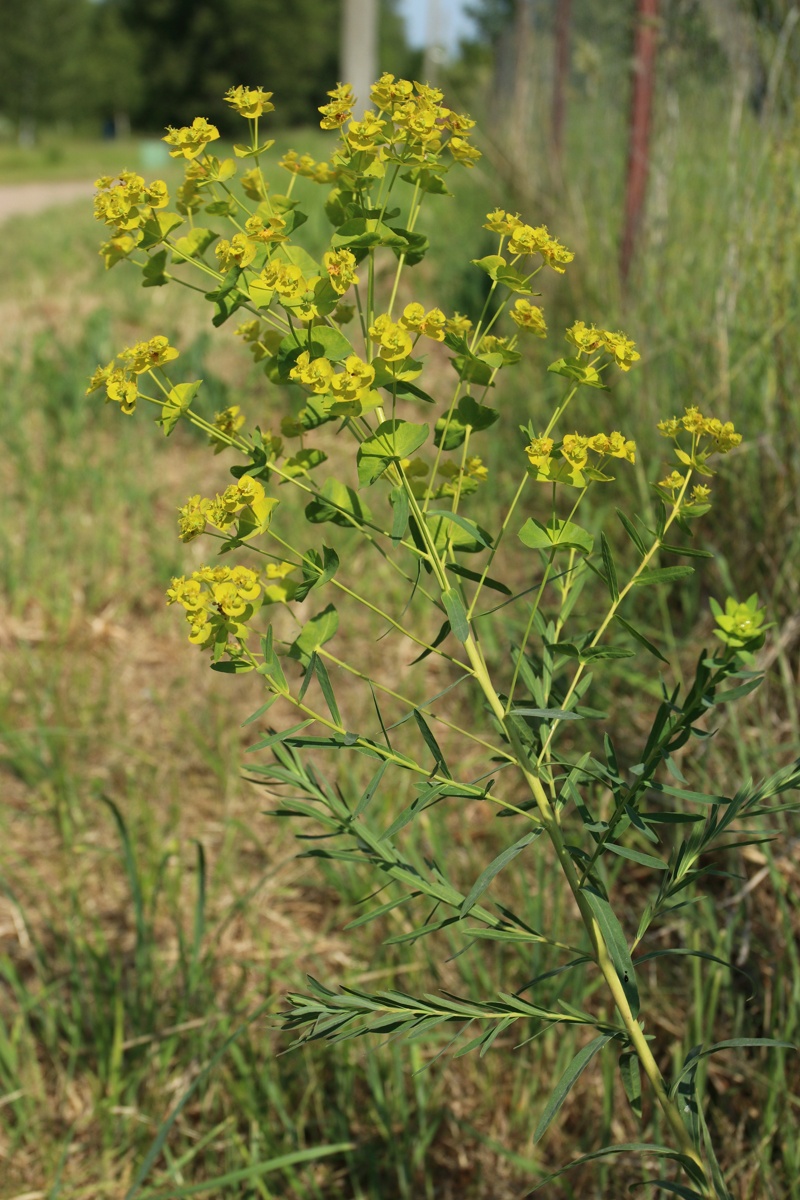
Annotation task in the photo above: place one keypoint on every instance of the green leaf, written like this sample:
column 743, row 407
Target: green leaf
column 557, row 533
column 274, row 738
column 427, row 180
column 631, row 1079
column 317, row 571
column 662, row 575
column 632, row 532
column 565, row 1083
column 193, row 245
column 437, row 641
column 370, row 789
column 476, row 577
column 464, row 523
column 730, row 1044
column 491, row 264
column 159, row 226
column 432, row 744
column 614, row 939
column 644, row 860
column 242, row 1174
column 573, row 368
column 399, row 502
column 547, row 714
column 494, row 868
column 688, row 551
column 329, row 343
column 153, row 270
column 677, row 1189
column 299, row 257
column 338, row 504
column 327, row 689
column 643, row 1148
column 610, row 569
column 234, row 666
column 392, row 440
column 639, row 637
column 456, row 613
column 315, row 633
column 178, row 401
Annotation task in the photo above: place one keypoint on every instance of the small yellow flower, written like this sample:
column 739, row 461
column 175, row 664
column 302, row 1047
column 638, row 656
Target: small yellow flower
column 238, row 252
column 146, row 356
column 192, row 517
column 270, row 231
column 413, row 316
column 337, row 113
column 463, row 151
column 585, row 337
column 669, row 428
column 700, row 494
column 315, row 373
column 433, row 325
column 621, row 348
column 191, row 140
column 340, row 265
column 393, row 341
column 620, row 447
column 249, row 102
column 529, row 317
column 356, row 378
column 156, row 194
column 673, row 481
column 123, row 389
column 458, row 324
column 366, row 133
column 539, row 451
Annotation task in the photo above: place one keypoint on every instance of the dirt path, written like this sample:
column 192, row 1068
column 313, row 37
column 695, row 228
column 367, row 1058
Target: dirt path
column 17, row 199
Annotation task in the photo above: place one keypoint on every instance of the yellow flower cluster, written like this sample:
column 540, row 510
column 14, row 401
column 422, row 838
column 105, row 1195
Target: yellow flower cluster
column 589, row 340
column 119, row 376
column 249, row 102
column 432, row 324
column 286, row 279
column 238, row 252
column 222, row 511
column 318, row 374
column 723, row 435
column 124, row 202
column 393, row 340
column 529, row 317
column 305, row 165
column 191, row 140
column 338, row 110
column 340, row 265
column 575, row 450
column 409, row 114
column 528, row 239
column 271, row 231
column 218, row 601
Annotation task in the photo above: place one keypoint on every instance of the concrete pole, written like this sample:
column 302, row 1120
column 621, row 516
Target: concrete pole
column 359, row 48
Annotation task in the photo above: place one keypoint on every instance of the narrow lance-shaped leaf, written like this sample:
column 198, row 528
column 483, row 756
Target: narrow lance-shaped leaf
column 614, row 939
column 494, row 868
column 432, row 744
column 610, row 569
column 456, row 612
column 564, row 1085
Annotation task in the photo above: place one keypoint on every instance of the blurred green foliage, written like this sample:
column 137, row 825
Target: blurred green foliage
column 78, row 63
